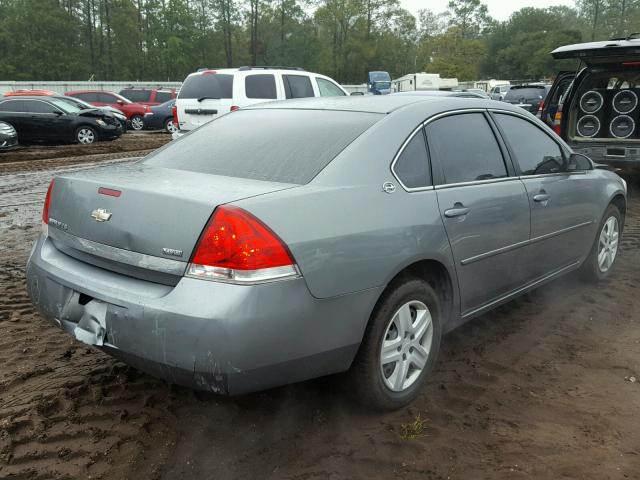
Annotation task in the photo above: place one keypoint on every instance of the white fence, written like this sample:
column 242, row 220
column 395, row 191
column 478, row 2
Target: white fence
column 61, row 87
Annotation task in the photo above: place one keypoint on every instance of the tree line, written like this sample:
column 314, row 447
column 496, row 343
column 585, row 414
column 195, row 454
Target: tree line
column 167, row 39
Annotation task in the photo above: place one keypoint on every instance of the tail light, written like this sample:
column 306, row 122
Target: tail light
column 45, row 209
column 557, row 122
column 234, row 108
column 174, row 114
column 236, row 247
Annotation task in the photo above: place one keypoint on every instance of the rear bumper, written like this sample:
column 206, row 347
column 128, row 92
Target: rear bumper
column 618, row 156
column 224, row 338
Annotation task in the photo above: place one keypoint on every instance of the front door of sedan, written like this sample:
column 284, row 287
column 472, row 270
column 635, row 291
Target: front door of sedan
column 563, row 209
column 484, row 208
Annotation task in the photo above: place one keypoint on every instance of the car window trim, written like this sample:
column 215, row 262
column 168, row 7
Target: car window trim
column 565, row 153
column 419, row 128
column 511, row 175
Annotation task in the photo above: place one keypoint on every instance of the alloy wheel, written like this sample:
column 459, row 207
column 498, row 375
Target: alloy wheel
column 137, row 123
column 86, row 136
column 608, row 244
column 171, row 126
column 406, row 346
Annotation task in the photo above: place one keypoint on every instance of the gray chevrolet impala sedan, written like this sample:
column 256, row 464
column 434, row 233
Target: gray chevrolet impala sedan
column 303, row 238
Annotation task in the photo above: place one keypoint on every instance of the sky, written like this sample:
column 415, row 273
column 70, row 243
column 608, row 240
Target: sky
column 498, row 9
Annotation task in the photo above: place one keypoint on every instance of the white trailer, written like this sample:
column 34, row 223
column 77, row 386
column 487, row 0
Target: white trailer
column 423, row 81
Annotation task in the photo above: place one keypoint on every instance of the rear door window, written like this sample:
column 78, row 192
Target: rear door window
column 535, row 151
column 207, row 85
column 412, row 166
column 278, row 145
column 297, row 86
column 465, row 148
column 162, row 97
column 328, row 89
column 13, row 106
column 260, row 86
column 136, row 95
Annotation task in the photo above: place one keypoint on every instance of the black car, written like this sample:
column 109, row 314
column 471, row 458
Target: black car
column 596, row 108
column 528, row 97
column 47, row 119
column 161, row 116
column 8, row 137
column 107, row 110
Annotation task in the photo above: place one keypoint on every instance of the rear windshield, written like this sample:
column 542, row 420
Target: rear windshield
column 288, row 146
column 515, row 93
column 207, row 85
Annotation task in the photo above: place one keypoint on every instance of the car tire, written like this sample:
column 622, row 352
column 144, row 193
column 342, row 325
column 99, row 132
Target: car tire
column 169, row 126
column 379, row 384
column 137, row 122
column 86, row 135
column 604, row 251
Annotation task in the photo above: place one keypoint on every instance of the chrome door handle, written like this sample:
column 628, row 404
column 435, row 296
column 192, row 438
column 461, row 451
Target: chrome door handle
column 541, row 197
column 457, row 211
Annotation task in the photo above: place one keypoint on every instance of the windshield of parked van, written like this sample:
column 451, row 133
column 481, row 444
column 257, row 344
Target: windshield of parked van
column 207, row 85
column 288, row 146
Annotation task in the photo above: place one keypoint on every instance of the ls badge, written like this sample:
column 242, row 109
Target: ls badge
column 101, row 215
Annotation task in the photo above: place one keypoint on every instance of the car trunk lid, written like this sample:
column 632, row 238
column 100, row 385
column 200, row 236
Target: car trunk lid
column 135, row 219
column 601, row 52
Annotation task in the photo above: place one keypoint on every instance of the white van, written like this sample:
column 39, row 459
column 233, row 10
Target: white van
column 206, row 94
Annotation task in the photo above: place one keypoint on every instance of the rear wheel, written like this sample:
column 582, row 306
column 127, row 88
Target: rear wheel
column 137, row 122
column 86, row 135
column 170, row 126
column 400, row 346
column 604, row 252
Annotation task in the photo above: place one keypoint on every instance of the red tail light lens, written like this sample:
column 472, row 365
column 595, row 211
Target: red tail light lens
column 234, row 108
column 237, row 247
column 174, row 114
column 47, row 203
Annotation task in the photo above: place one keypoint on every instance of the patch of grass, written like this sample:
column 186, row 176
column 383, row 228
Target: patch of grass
column 414, row 429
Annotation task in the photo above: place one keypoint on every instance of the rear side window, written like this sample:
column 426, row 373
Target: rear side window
column 535, row 152
column 412, row 166
column 329, row 89
column 162, row 97
column 260, row 86
column 279, row 145
column 136, row 95
column 207, row 85
column 13, row 106
column 297, row 86
column 465, row 148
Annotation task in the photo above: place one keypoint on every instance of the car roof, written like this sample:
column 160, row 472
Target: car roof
column 383, row 104
column 591, row 51
column 43, row 98
column 441, row 93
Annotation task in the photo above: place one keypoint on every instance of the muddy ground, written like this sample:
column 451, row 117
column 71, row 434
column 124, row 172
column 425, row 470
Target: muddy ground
column 541, row 388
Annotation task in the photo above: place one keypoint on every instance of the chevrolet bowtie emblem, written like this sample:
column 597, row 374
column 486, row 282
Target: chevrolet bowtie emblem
column 101, row 215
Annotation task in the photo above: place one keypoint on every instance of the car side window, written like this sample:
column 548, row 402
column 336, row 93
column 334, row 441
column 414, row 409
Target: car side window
column 412, row 166
column 13, row 106
column 328, row 89
column 162, row 97
column 87, row 97
column 535, row 151
column 260, row 86
column 465, row 148
column 297, row 86
column 36, row 106
column 136, row 95
column 105, row 98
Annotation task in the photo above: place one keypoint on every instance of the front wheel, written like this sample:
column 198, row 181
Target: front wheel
column 137, row 122
column 170, row 126
column 400, row 346
column 86, row 135
column 604, row 252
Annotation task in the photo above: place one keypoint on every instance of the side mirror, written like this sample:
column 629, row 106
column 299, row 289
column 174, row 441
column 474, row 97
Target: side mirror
column 58, row 112
column 579, row 162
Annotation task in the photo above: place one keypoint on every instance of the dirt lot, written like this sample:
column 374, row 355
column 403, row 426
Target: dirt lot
column 541, row 388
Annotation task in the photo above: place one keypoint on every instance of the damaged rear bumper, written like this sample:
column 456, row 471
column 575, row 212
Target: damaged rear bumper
column 219, row 337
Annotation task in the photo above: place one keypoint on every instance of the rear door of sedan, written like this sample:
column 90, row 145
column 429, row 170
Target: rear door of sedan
column 483, row 204
column 563, row 209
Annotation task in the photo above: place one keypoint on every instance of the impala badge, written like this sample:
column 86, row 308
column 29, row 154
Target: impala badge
column 101, row 215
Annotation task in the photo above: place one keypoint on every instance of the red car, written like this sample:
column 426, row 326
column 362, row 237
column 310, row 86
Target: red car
column 134, row 111
column 149, row 96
